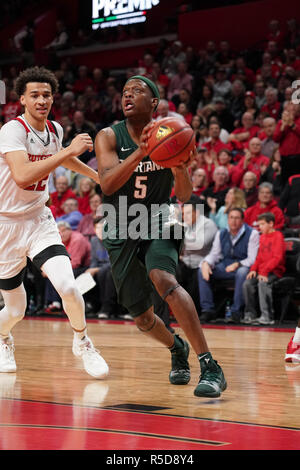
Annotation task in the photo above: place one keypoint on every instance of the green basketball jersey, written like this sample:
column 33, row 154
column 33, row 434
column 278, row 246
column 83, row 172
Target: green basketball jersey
column 150, row 184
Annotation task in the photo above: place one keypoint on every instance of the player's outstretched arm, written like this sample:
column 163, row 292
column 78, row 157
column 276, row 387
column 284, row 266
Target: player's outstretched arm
column 25, row 172
column 74, row 164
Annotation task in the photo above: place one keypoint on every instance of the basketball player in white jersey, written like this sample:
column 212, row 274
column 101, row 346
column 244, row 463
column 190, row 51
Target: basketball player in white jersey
column 30, row 149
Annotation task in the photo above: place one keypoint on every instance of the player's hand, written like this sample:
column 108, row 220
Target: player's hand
column 144, row 138
column 191, row 159
column 80, row 144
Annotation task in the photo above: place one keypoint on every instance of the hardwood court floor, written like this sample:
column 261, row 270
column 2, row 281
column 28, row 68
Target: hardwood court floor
column 51, row 403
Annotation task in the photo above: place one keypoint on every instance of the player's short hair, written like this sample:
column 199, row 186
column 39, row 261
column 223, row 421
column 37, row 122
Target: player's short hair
column 267, row 216
column 36, row 74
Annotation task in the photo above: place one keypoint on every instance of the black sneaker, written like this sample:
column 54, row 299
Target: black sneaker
column 180, row 372
column 212, row 381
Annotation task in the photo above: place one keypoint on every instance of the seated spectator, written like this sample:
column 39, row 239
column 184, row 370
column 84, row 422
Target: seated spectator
column 86, row 224
column 214, row 144
column 218, row 189
column 245, row 133
column 252, row 161
column 224, row 158
column 86, row 188
column 163, row 111
column 265, row 203
column 259, row 89
column 272, row 106
column 199, row 181
column 104, row 295
column 200, row 129
column 83, row 80
column 71, row 213
column 12, row 108
column 204, row 161
column 267, row 143
column 199, row 234
column 234, row 198
column 222, row 85
column 61, row 39
column 223, row 115
column 62, row 193
column 290, row 200
column 80, row 125
column 184, row 111
column 287, row 135
column 240, row 68
column 79, row 249
column 225, row 56
column 206, row 96
column 233, row 252
column 269, row 266
column 180, row 80
column 272, row 173
column 236, row 101
column 223, row 132
column 250, row 188
column 250, row 103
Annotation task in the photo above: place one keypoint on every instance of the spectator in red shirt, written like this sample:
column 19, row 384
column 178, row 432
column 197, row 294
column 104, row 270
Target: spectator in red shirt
column 62, row 193
column 287, row 134
column 185, row 112
column 182, row 79
column 250, row 103
column 82, row 81
column 215, row 144
column 218, row 190
column 13, row 108
column 272, row 107
column 275, row 34
column 269, row 265
column 86, row 188
column 86, row 224
column 199, row 181
column 265, row 203
column 245, row 133
column 252, row 161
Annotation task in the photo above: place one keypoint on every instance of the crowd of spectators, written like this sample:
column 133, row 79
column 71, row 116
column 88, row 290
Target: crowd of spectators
column 243, row 107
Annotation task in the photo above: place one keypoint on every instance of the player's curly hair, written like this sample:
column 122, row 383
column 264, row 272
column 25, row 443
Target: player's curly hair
column 36, row 74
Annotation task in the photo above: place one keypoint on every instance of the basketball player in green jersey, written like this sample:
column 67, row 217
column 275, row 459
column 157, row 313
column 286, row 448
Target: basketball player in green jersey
column 125, row 171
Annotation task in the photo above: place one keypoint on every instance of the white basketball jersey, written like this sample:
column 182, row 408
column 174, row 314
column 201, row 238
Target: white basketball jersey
column 16, row 135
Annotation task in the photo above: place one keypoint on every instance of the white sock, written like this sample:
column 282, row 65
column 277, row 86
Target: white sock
column 296, row 338
column 80, row 335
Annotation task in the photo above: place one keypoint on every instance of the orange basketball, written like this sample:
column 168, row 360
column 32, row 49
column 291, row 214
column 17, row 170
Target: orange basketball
column 171, row 142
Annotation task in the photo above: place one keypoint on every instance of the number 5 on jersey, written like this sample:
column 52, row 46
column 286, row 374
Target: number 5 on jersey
column 140, row 187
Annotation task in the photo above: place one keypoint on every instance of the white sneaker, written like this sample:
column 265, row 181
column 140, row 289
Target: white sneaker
column 93, row 362
column 7, row 359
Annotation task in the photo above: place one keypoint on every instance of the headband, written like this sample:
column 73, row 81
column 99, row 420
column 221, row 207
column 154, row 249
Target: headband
column 149, row 83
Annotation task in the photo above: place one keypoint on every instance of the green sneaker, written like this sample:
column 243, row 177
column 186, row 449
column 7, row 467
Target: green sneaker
column 180, row 372
column 212, row 381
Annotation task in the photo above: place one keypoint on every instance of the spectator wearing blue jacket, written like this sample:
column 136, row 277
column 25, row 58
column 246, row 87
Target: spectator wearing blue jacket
column 71, row 213
column 232, row 253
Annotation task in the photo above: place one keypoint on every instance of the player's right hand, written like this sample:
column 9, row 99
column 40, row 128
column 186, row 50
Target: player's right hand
column 80, row 144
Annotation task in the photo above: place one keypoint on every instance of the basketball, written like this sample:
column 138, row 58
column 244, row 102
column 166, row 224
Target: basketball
column 171, row 142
